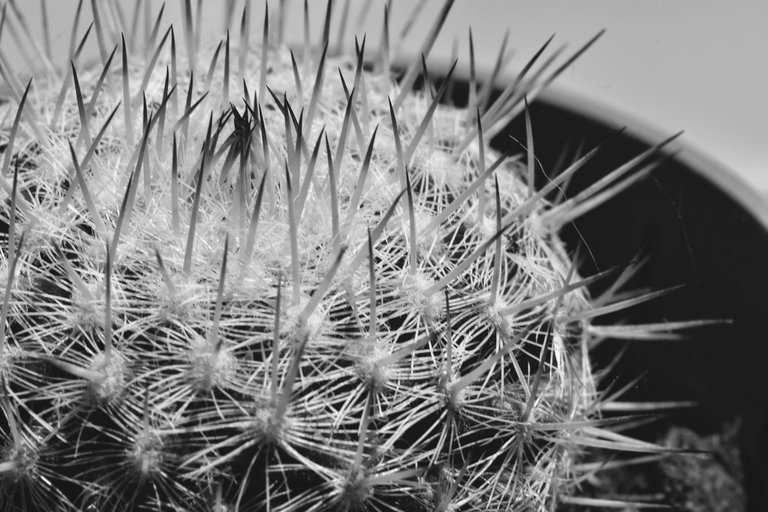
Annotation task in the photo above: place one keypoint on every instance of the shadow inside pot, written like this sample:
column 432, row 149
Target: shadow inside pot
column 695, row 234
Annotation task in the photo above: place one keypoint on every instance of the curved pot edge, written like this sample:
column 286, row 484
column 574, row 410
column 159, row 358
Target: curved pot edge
column 689, row 154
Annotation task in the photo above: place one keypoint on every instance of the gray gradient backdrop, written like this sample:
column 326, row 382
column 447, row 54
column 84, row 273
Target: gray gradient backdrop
column 694, row 65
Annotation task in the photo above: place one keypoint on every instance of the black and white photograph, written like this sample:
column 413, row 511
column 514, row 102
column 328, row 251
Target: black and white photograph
column 383, row 256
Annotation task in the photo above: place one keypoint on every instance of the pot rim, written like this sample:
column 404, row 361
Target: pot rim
column 687, row 153
column 707, row 166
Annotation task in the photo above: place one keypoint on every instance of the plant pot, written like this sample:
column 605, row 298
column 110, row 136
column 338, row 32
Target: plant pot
column 699, row 227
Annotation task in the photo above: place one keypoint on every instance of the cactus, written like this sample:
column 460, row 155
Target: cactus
column 288, row 283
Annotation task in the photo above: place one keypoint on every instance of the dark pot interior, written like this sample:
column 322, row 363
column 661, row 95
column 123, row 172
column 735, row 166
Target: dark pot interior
column 694, row 233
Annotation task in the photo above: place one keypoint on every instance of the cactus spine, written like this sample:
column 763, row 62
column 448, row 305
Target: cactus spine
column 286, row 283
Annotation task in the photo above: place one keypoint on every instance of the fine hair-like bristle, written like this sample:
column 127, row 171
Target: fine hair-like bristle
column 202, row 312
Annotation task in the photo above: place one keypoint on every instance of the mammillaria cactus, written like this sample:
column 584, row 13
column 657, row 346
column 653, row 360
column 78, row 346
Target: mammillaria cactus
column 284, row 281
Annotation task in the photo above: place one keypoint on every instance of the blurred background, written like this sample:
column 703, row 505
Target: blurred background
column 671, row 65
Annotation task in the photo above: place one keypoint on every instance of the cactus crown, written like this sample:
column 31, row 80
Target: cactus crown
column 285, row 282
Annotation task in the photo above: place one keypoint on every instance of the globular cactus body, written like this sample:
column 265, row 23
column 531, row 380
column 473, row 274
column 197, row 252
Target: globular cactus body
column 304, row 288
